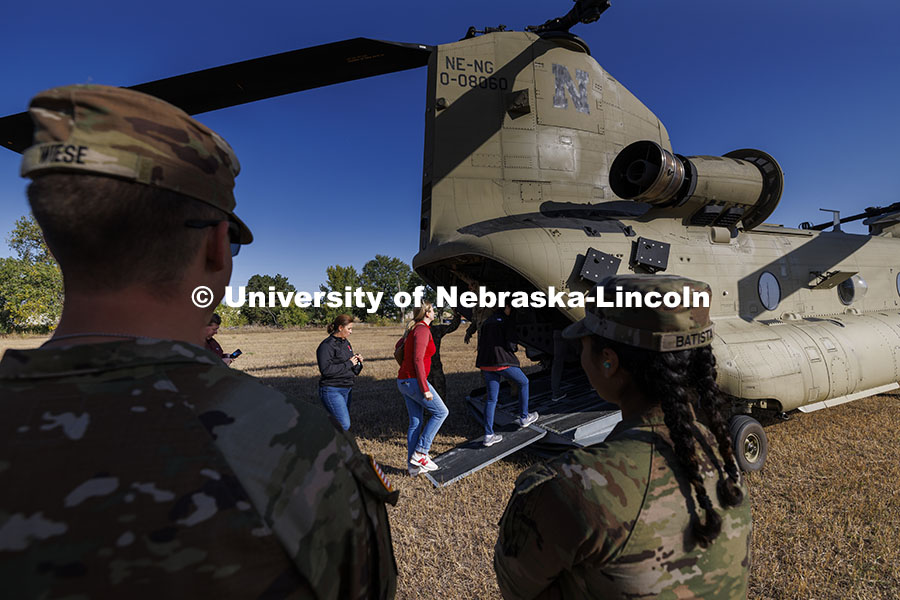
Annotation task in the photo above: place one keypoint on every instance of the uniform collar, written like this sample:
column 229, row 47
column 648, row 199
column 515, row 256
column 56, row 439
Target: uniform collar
column 45, row 363
column 651, row 419
column 646, row 420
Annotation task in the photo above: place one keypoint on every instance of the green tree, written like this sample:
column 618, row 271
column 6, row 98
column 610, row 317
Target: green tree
column 415, row 280
column 294, row 316
column 389, row 275
column 31, row 287
column 231, row 316
column 27, row 241
column 277, row 316
column 338, row 279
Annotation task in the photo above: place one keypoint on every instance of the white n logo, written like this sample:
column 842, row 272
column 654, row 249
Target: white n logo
column 565, row 84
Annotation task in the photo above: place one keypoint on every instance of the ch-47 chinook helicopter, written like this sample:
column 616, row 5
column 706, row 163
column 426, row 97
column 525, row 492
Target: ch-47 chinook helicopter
column 541, row 169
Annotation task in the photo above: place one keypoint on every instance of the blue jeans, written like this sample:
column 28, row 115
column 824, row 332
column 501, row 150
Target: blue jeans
column 417, row 439
column 492, row 379
column 336, row 400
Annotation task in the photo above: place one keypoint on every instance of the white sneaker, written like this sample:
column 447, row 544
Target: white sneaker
column 423, row 461
column 413, row 471
column 490, row 440
column 527, row 420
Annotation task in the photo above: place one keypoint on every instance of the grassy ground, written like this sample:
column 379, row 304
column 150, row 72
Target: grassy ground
column 826, row 507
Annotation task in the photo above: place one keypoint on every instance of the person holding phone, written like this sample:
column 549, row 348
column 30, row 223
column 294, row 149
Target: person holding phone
column 339, row 366
column 213, row 346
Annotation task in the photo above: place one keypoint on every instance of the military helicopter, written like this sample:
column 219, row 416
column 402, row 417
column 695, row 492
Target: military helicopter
column 541, row 169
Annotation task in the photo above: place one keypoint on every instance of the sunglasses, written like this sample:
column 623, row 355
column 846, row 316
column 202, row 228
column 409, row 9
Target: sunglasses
column 234, row 232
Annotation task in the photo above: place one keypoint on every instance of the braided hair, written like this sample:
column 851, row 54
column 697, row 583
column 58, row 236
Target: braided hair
column 713, row 407
column 681, row 380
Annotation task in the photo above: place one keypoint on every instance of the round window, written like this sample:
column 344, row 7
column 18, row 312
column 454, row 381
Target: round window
column 769, row 291
column 852, row 289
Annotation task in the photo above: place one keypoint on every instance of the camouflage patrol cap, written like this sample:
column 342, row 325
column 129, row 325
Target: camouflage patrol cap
column 130, row 135
column 660, row 328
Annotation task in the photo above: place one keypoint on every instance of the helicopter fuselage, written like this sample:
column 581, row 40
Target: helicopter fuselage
column 521, row 135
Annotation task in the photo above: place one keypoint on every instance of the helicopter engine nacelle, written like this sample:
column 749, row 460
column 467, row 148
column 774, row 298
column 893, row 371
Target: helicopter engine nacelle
column 744, row 185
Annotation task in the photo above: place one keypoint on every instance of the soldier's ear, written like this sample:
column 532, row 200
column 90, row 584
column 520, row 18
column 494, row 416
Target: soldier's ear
column 609, row 363
column 604, row 363
column 218, row 247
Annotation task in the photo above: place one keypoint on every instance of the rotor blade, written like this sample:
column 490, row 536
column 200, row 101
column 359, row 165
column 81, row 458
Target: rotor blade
column 285, row 73
column 16, row 131
column 872, row 211
column 259, row 78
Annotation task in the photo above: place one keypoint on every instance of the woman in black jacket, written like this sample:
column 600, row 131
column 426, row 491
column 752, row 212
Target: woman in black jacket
column 339, row 366
column 497, row 345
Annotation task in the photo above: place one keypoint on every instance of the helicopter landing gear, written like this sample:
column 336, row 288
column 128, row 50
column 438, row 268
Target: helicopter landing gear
column 750, row 444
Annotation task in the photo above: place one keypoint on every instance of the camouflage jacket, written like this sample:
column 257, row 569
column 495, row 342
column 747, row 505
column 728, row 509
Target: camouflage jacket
column 612, row 522
column 479, row 315
column 149, row 469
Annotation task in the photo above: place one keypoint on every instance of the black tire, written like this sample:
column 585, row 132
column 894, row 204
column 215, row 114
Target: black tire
column 749, row 441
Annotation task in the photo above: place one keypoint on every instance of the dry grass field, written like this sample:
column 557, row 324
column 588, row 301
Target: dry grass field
column 826, row 506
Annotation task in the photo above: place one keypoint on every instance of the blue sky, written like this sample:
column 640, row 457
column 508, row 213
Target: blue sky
column 331, row 176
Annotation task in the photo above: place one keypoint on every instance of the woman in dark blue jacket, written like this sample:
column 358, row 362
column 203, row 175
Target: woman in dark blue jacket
column 497, row 345
column 339, row 367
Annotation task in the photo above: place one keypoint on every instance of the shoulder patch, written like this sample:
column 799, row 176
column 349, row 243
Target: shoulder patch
column 381, row 477
column 367, row 472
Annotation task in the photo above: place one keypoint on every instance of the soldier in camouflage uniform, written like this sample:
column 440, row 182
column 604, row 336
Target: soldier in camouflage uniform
column 133, row 462
column 437, row 367
column 659, row 510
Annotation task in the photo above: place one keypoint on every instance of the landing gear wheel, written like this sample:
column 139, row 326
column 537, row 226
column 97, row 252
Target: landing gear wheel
column 751, row 446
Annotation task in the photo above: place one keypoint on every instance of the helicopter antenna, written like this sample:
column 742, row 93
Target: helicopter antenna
column 836, row 215
column 584, row 11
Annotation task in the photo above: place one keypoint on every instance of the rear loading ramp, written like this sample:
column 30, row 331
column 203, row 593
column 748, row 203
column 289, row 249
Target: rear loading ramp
column 473, row 456
column 580, row 419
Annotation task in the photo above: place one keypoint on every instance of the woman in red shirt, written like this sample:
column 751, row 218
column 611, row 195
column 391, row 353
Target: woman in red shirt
column 412, row 381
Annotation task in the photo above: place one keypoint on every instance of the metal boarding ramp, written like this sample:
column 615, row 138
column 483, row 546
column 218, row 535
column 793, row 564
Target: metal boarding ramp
column 578, row 420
